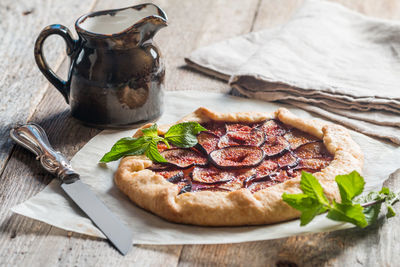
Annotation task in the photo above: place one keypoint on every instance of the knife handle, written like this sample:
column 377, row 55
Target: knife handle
column 34, row 138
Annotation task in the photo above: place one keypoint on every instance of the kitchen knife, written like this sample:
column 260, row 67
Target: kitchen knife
column 34, row 138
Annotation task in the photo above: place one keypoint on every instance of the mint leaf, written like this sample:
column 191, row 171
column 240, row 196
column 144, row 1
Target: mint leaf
column 151, row 131
column 309, row 206
column 184, row 134
column 352, row 213
column 390, row 211
column 371, row 212
column 313, row 200
column 350, row 185
column 181, row 135
column 311, row 187
column 124, row 146
column 384, row 191
column 153, row 154
column 390, row 199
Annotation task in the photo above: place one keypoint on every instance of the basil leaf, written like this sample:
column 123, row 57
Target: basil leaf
column 311, row 187
column 126, row 146
column 352, row 213
column 151, row 131
column 184, row 134
column 350, row 186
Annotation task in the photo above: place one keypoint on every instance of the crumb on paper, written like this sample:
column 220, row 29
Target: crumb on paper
column 103, row 165
column 27, row 12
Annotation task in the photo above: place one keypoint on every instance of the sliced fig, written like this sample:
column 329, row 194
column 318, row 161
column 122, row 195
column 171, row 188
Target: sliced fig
column 159, row 167
column 207, row 141
column 211, row 175
column 184, row 158
column 275, row 146
column 315, row 164
column 254, row 137
column 312, row 150
column 172, row 176
column 273, row 128
column 288, row 160
column 236, row 157
column 161, row 146
column 217, row 128
column 267, row 167
column 237, row 127
column 186, row 188
column 259, row 185
column 270, row 180
column 283, row 176
column 294, row 172
column 196, row 187
column 297, row 138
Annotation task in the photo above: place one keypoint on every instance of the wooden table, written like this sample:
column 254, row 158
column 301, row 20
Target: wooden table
column 27, row 96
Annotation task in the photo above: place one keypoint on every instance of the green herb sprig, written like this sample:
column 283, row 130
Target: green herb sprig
column 180, row 135
column 361, row 211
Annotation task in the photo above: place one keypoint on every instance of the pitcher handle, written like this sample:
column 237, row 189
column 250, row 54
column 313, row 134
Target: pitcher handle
column 72, row 48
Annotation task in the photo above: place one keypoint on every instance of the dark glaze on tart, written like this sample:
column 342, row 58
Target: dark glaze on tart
column 231, row 156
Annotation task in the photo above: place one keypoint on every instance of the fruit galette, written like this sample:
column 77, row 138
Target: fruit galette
column 239, row 169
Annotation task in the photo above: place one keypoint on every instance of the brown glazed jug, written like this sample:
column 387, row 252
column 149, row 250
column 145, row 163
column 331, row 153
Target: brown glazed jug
column 116, row 76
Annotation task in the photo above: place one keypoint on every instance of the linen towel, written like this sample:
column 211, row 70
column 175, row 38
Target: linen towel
column 326, row 59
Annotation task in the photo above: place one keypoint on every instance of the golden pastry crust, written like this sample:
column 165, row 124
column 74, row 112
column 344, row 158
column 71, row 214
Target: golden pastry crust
column 153, row 192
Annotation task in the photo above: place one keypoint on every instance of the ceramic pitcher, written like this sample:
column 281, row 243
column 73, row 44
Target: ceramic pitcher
column 116, row 76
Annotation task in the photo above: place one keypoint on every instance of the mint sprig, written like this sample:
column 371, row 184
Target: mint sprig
column 361, row 211
column 181, row 135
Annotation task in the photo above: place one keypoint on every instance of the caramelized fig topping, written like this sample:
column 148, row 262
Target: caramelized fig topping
column 312, row 150
column 184, row 157
column 186, row 188
column 172, row 176
column 275, row 146
column 288, row 160
column 217, row 128
column 255, row 186
column 273, row 128
column 207, row 142
column 236, row 157
column 176, row 178
column 316, row 164
column 211, row 175
column 208, row 187
column 297, row 138
column 253, row 156
column 254, row 137
column 237, row 127
column 267, row 167
column 161, row 146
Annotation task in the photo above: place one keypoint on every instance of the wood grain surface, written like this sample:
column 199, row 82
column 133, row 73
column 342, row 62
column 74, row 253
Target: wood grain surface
column 192, row 24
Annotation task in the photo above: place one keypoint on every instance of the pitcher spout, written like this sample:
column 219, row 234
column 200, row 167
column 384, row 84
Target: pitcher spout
column 151, row 24
column 137, row 23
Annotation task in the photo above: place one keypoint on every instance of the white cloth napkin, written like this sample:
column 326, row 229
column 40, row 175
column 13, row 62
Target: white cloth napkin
column 326, row 59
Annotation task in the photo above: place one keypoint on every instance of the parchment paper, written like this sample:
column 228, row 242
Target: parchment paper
column 53, row 207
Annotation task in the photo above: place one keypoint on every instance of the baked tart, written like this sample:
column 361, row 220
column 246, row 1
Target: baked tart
column 239, row 169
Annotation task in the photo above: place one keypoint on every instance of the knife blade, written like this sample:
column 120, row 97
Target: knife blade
column 33, row 137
